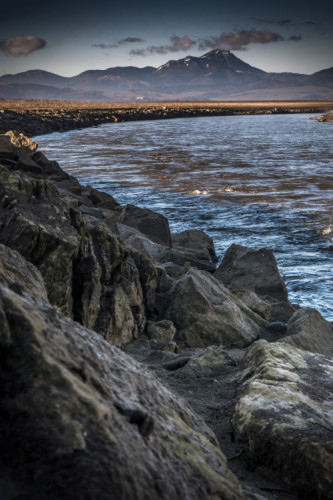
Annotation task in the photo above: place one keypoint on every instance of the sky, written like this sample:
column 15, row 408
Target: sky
column 67, row 37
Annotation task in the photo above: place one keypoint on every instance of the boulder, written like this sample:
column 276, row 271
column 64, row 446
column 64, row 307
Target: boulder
column 284, row 416
column 14, row 144
column 205, row 312
column 162, row 331
column 156, row 345
column 81, row 419
column 153, row 225
column 253, row 302
column 165, row 255
column 281, row 311
column 254, row 270
column 19, row 275
column 195, row 239
column 88, row 272
column 213, row 359
column 308, row 330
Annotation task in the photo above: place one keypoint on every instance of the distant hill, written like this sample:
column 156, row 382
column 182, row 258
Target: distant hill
column 219, row 74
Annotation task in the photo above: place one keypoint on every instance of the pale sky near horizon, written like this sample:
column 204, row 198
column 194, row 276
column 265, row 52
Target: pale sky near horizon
column 67, row 38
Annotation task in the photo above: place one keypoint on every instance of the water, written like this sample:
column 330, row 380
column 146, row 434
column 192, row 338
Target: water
column 259, row 181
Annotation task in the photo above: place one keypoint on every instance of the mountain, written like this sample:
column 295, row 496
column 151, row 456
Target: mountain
column 218, row 75
column 216, row 66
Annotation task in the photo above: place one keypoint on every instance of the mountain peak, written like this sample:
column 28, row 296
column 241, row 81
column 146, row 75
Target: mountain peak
column 217, row 52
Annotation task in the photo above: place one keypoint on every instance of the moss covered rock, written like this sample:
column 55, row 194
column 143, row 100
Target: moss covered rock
column 284, row 415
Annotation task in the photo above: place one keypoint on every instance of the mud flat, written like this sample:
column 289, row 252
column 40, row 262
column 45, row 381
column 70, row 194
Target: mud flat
column 42, row 117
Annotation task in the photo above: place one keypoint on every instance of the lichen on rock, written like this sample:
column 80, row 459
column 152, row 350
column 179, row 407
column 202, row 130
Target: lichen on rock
column 284, row 415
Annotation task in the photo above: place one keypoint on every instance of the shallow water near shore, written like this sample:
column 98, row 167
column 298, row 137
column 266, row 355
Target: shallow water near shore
column 259, row 181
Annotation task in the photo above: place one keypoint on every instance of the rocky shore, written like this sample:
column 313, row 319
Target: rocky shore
column 42, row 117
column 326, row 117
column 135, row 367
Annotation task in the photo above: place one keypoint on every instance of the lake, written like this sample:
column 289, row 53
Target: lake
column 259, row 181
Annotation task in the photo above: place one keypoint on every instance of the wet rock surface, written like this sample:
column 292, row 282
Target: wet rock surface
column 79, row 418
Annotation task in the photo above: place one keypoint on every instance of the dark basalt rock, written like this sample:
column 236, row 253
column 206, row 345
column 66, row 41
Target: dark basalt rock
column 155, row 226
column 88, row 272
column 254, row 270
column 195, row 239
column 308, row 330
column 81, row 419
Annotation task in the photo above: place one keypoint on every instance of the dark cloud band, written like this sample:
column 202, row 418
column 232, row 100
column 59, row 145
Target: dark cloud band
column 178, row 43
column 234, row 40
column 238, row 40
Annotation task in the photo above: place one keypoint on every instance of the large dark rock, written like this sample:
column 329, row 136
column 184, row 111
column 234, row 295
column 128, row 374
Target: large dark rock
column 308, row 330
column 69, row 233
column 80, row 419
column 284, row 416
column 15, row 145
column 162, row 254
column 153, row 225
column 19, row 275
column 254, row 270
column 194, row 239
column 205, row 312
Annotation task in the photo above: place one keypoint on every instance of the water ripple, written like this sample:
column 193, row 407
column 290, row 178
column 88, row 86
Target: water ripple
column 261, row 181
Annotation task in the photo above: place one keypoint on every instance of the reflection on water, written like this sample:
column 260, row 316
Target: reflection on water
column 253, row 180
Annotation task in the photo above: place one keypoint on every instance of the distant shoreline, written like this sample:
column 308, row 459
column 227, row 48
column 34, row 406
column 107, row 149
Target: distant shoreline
column 34, row 117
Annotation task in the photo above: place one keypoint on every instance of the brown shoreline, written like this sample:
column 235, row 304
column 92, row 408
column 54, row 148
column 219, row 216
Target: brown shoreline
column 33, row 117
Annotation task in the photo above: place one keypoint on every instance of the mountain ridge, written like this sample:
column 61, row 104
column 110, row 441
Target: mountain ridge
column 217, row 74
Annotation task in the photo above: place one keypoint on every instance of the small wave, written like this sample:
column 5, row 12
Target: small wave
column 326, row 230
column 204, row 192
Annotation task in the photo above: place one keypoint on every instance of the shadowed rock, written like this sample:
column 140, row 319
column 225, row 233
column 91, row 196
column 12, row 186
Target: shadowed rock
column 284, row 416
column 254, row 270
column 205, row 312
column 308, row 330
column 195, row 239
column 162, row 331
column 155, row 226
column 14, row 145
column 87, row 271
column 81, row 419
column 253, row 302
column 19, row 275
column 165, row 255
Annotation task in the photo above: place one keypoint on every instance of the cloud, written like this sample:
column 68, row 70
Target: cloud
column 138, row 52
column 279, row 22
column 21, row 46
column 295, row 38
column 285, row 22
column 131, row 39
column 105, row 45
column 238, row 40
column 178, row 43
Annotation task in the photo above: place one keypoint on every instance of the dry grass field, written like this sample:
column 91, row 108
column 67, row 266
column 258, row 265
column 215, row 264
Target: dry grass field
column 31, row 104
column 36, row 117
